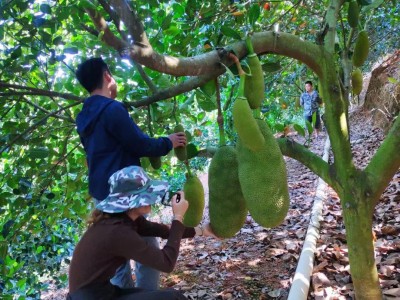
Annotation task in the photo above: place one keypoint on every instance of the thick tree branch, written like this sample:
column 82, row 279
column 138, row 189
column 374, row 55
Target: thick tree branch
column 385, row 163
column 142, row 52
column 331, row 21
column 315, row 163
column 105, row 33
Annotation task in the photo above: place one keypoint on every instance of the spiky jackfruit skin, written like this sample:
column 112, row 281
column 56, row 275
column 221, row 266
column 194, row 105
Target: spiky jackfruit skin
column 361, row 49
column 353, row 14
column 194, row 194
column 254, row 85
column 180, row 152
column 155, row 162
column 263, row 180
column 356, row 81
column 226, row 207
column 246, row 126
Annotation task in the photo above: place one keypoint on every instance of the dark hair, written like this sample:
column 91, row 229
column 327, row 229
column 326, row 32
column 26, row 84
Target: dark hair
column 98, row 215
column 309, row 82
column 90, row 73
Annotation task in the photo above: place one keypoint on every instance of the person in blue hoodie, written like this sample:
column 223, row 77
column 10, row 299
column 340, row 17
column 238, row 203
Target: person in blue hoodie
column 113, row 141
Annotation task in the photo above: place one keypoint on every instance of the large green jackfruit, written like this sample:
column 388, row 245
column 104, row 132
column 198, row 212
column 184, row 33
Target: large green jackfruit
column 254, row 85
column 246, row 126
column 227, row 207
column 155, row 162
column 361, row 49
column 353, row 14
column 356, row 81
column 263, row 180
column 194, row 194
column 180, row 152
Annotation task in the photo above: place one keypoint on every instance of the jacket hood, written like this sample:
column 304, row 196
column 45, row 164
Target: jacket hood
column 90, row 114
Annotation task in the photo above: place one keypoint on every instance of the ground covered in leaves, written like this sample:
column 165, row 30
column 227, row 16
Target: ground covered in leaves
column 259, row 263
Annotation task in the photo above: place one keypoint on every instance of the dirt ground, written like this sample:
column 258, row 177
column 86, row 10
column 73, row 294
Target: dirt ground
column 259, row 263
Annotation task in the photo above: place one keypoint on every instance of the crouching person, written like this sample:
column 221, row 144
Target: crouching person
column 115, row 235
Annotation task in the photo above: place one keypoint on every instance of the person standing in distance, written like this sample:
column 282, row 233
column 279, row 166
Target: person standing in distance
column 113, row 141
column 310, row 102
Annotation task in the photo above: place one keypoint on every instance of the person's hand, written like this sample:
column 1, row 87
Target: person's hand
column 179, row 206
column 178, row 139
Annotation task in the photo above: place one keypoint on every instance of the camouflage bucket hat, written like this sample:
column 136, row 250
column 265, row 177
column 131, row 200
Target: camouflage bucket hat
column 130, row 188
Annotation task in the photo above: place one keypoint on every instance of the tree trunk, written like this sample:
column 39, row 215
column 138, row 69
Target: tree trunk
column 357, row 213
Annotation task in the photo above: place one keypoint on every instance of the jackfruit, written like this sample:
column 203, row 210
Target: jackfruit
column 155, row 162
column 353, row 14
column 356, row 81
column 254, row 85
column 180, row 152
column 227, row 207
column 194, row 194
column 262, row 177
column 246, row 126
column 361, row 49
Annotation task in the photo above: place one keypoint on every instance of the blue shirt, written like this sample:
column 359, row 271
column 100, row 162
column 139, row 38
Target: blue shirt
column 310, row 102
column 112, row 141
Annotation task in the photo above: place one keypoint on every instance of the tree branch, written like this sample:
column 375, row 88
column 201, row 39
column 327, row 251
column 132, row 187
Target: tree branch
column 35, row 92
column 142, row 52
column 315, row 163
column 385, row 163
column 186, row 86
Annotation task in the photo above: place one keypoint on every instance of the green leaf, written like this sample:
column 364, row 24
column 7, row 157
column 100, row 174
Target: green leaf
column 16, row 53
column 172, row 31
column 254, row 13
column 300, row 130
column 364, row 2
column 393, row 80
column 192, row 151
column 271, row 67
column 45, row 8
column 229, row 32
column 310, row 128
column 39, row 152
column 373, row 5
column 205, row 103
column 279, row 127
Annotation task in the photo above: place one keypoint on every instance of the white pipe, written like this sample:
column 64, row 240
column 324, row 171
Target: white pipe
column 301, row 279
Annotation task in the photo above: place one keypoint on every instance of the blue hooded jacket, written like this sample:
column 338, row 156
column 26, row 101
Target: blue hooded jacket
column 112, row 141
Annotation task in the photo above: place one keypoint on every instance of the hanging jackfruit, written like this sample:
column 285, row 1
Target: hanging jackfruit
column 194, row 194
column 262, row 177
column 227, row 207
column 254, row 84
column 361, row 49
column 155, row 162
column 356, row 81
column 180, row 152
column 244, row 122
column 353, row 14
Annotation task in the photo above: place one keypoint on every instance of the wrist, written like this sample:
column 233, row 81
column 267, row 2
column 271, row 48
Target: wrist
column 178, row 218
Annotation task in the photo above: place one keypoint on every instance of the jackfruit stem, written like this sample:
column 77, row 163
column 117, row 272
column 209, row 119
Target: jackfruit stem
column 188, row 168
column 241, row 86
column 249, row 45
column 220, row 118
